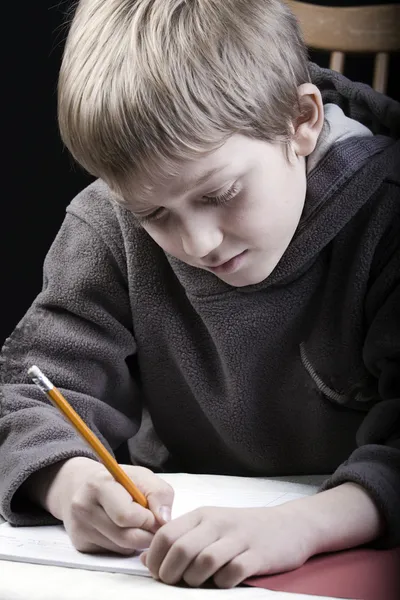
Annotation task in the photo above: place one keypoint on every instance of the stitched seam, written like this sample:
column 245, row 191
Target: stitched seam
column 325, row 389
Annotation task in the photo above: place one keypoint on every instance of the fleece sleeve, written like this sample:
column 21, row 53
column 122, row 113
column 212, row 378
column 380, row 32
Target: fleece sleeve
column 375, row 464
column 79, row 332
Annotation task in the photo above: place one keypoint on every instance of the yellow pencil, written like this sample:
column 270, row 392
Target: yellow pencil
column 101, row 451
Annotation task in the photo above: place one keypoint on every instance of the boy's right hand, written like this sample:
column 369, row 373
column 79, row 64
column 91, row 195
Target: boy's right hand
column 99, row 514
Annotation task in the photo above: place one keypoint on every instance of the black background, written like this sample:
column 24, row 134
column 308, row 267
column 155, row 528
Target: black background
column 39, row 178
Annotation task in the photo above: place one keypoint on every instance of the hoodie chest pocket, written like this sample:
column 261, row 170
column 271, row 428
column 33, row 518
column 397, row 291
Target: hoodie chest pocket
column 357, row 390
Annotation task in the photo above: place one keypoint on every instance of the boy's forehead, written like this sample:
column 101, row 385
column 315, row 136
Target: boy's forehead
column 190, row 179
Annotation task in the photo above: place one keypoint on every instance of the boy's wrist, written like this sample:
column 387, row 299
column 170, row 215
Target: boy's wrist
column 336, row 519
column 302, row 524
column 51, row 486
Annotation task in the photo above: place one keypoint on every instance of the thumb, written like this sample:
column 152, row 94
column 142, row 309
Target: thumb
column 159, row 494
column 160, row 500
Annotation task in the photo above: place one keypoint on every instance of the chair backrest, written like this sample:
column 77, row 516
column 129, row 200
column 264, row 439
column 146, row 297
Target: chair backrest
column 359, row 29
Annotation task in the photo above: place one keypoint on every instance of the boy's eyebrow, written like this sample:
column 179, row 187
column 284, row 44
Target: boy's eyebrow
column 198, row 181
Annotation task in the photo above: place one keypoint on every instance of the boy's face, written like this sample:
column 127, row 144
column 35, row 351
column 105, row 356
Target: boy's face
column 236, row 221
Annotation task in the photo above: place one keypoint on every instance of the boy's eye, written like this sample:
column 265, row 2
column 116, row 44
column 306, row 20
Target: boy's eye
column 223, row 198
column 219, row 200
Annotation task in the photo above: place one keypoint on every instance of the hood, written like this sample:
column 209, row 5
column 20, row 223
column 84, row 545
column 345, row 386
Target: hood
column 379, row 113
column 337, row 128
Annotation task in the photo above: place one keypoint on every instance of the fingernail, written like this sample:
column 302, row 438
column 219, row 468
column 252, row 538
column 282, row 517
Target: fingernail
column 165, row 513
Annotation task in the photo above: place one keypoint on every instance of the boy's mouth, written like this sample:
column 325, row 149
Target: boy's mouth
column 228, row 266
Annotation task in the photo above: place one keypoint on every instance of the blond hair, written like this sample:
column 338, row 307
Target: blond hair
column 145, row 84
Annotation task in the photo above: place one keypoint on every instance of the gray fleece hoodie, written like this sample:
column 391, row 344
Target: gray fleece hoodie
column 176, row 370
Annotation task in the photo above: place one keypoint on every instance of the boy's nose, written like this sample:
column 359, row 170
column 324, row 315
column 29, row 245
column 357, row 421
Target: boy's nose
column 199, row 239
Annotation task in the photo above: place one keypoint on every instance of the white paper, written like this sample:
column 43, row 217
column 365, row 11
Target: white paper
column 50, row 545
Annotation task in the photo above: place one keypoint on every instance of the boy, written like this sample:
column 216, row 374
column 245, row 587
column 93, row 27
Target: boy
column 225, row 298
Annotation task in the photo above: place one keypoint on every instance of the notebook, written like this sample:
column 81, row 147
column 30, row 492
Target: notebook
column 50, row 545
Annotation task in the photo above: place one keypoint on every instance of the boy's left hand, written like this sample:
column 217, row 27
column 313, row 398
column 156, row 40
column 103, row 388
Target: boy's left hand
column 228, row 544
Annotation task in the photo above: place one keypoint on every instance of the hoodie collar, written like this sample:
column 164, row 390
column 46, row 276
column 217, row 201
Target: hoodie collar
column 337, row 128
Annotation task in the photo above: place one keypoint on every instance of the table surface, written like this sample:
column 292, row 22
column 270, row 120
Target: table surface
column 20, row 581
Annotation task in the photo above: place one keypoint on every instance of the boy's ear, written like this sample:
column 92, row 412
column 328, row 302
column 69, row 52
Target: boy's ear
column 309, row 124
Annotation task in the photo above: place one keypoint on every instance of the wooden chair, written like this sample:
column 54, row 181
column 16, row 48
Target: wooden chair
column 359, row 29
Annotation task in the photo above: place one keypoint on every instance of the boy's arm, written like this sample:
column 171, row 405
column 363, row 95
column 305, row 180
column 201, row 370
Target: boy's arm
column 375, row 464
column 79, row 332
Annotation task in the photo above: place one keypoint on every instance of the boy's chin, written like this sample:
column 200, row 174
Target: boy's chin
column 246, row 277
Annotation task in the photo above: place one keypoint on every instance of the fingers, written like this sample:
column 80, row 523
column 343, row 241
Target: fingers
column 210, row 560
column 176, row 544
column 96, row 526
column 184, row 552
column 237, row 570
column 190, row 549
column 122, row 509
column 124, row 537
column 208, row 542
column 95, row 543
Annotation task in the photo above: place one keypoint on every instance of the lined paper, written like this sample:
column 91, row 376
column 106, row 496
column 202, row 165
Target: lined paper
column 51, row 545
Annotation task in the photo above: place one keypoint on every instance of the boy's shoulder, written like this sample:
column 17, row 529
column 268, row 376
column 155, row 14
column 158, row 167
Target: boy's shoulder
column 115, row 226
column 97, row 207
